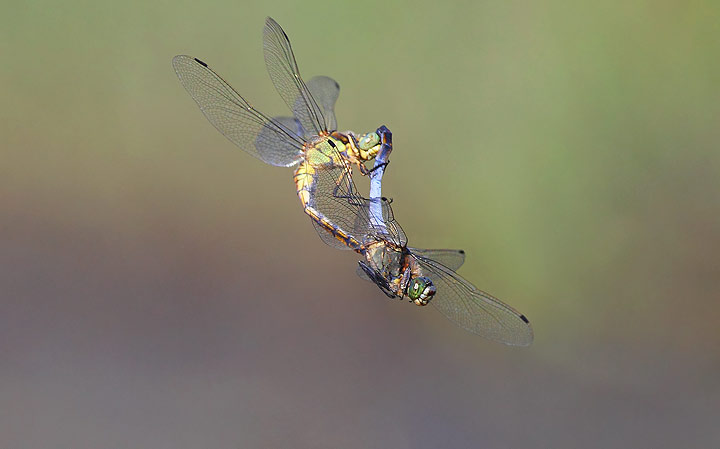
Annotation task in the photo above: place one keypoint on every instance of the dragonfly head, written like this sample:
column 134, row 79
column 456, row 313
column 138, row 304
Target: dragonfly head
column 421, row 290
column 368, row 146
column 368, row 141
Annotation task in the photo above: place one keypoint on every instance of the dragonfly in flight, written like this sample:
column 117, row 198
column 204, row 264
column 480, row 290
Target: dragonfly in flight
column 324, row 158
column 424, row 276
column 308, row 140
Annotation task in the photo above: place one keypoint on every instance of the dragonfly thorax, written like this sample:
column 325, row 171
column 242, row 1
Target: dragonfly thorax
column 398, row 267
column 320, row 151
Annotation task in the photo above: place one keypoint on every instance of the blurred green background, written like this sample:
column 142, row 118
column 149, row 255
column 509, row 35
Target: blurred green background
column 160, row 288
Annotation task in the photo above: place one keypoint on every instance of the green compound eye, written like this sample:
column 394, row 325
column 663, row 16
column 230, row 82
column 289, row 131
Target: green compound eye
column 368, row 141
column 421, row 290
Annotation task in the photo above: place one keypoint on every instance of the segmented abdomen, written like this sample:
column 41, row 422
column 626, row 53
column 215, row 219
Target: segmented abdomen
column 304, row 180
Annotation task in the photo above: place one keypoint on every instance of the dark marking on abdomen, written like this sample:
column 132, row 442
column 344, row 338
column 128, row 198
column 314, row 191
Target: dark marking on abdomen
column 333, row 229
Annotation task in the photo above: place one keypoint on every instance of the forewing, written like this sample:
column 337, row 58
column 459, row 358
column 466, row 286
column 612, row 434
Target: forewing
column 284, row 73
column 451, row 258
column 474, row 310
column 235, row 118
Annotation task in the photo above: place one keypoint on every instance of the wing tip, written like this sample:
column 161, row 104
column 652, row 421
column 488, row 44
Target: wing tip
column 527, row 341
column 178, row 60
column 272, row 24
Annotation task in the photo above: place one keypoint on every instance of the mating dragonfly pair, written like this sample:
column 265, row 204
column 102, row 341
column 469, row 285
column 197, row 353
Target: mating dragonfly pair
column 324, row 159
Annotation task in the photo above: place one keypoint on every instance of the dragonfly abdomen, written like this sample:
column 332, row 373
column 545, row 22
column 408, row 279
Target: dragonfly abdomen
column 333, row 229
column 304, row 182
column 304, row 179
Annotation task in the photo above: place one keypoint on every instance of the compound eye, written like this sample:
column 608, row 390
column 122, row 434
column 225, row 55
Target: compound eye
column 421, row 290
column 368, row 141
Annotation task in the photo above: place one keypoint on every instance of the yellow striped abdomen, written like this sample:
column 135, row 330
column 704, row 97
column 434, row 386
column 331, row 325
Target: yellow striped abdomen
column 304, row 178
column 304, row 182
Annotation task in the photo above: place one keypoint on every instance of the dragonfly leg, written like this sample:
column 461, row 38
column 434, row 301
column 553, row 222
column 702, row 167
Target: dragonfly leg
column 378, row 279
column 350, row 194
column 373, row 144
column 377, row 166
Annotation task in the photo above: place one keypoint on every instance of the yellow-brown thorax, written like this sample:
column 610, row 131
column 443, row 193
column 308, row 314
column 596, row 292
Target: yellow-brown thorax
column 325, row 152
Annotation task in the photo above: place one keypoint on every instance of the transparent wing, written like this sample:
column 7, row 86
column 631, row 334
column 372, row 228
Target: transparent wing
column 290, row 123
column 325, row 91
column 334, row 194
column 392, row 231
column 473, row 309
column 328, row 238
column 451, row 258
column 235, row 118
column 285, row 75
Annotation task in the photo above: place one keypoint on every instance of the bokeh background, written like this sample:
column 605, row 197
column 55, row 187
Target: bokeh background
column 160, row 288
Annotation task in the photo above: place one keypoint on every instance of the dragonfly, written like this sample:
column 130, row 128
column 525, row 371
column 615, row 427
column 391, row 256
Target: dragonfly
column 424, row 276
column 308, row 140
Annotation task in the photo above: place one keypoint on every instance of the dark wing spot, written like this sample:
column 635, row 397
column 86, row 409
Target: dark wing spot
column 332, row 144
column 200, row 62
column 522, row 317
column 337, row 85
column 462, row 251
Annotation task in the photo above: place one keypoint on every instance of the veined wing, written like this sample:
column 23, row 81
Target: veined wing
column 451, row 258
column 335, row 196
column 235, row 118
column 289, row 123
column 474, row 310
column 285, row 75
column 325, row 91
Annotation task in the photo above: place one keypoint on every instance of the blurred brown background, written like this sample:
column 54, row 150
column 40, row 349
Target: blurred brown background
column 159, row 288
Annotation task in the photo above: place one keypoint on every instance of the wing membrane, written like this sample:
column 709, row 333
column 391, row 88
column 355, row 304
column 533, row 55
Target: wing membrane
column 451, row 258
column 325, row 91
column 235, row 118
column 334, row 195
column 285, row 75
column 474, row 310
